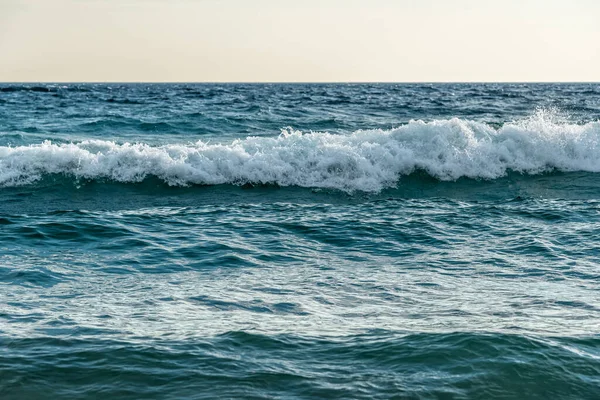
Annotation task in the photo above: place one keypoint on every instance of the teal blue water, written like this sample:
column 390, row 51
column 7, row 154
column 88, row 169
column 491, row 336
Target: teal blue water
column 364, row 241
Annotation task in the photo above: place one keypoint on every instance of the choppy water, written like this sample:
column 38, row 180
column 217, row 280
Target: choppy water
column 300, row 241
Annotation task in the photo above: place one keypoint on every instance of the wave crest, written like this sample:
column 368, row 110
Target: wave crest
column 367, row 160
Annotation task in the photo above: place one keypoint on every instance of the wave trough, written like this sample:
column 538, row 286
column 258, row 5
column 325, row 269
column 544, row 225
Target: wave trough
column 365, row 160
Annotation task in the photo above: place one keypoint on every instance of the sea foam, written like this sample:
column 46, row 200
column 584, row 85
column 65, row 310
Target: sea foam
column 366, row 160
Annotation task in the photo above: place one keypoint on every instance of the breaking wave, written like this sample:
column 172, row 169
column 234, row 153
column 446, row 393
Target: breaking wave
column 366, row 160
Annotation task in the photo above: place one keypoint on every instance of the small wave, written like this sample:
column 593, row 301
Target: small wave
column 40, row 89
column 366, row 160
column 123, row 101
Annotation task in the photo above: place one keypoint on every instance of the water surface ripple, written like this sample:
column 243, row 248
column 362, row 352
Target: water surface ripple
column 435, row 241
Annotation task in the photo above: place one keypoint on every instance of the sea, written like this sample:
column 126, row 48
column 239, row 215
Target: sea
column 299, row 241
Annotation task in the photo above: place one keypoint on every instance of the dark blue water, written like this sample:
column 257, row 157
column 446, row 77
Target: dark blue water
column 168, row 241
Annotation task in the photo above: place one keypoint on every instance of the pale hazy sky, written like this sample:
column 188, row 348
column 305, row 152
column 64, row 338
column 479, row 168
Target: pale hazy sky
column 303, row 40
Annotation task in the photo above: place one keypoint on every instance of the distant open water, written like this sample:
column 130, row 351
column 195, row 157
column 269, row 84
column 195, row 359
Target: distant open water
column 350, row 241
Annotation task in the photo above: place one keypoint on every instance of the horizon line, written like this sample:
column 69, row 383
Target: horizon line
column 295, row 82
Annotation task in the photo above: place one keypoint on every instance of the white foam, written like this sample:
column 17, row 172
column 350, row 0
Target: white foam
column 368, row 160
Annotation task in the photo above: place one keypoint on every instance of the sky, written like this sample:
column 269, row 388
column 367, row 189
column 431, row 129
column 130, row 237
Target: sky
column 299, row 41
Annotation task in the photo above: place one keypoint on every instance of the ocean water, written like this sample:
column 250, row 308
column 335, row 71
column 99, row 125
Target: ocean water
column 290, row 241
